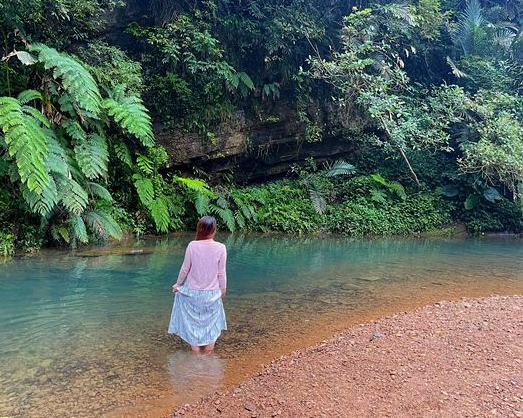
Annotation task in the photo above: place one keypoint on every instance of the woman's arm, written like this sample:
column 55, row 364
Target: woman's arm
column 222, row 275
column 184, row 270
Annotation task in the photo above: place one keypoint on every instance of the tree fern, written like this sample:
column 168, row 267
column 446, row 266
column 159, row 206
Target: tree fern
column 201, row 203
column 160, row 213
column 92, row 156
column 26, row 141
column 196, row 185
column 42, row 203
column 122, row 153
column 145, row 188
column 79, row 229
column 99, row 191
column 73, row 196
column 75, row 78
column 145, row 164
column 57, row 159
column 102, row 224
column 226, row 215
column 131, row 115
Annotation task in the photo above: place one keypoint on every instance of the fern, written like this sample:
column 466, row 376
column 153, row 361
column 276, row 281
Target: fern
column 226, row 215
column 60, row 232
column 340, row 168
column 26, row 141
column 79, row 229
column 92, row 156
column 145, row 164
column 42, row 203
column 57, row 159
column 73, row 196
column 122, row 153
column 131, row 115
column 28, row 95
column 196, row 185
column 102, row 224
column 145, row 188
column 160, row 213
column 100, row 191
column 76, row 80
column 201, row 203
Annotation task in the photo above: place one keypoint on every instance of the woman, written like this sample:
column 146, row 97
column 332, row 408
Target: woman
column 198, row 316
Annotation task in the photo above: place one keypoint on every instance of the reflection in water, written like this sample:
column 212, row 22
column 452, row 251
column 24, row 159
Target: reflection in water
column 196, row 372
column 84, row 335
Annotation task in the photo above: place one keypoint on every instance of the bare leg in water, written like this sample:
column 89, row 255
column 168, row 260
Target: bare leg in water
column 195, row 349
column 208, row 348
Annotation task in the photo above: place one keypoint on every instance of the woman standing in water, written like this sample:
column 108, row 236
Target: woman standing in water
column 198, row 316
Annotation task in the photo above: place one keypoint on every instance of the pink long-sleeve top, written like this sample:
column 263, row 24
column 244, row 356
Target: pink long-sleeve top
column 203, row 267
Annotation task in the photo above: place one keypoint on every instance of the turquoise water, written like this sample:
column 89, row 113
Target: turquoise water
column 84, row 334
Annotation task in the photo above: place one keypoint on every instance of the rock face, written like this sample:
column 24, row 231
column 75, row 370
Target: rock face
column 251, row 151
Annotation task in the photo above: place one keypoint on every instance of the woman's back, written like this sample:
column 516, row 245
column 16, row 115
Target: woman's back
column 204, row 265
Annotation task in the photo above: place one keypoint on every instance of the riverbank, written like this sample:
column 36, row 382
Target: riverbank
column 445, row 360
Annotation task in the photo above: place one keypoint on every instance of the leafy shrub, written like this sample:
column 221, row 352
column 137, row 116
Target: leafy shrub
column 503, row 216
column 7, row 244
column 363, row 216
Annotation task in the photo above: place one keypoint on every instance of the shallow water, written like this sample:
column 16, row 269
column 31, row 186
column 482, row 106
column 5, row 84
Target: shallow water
column 84, row 335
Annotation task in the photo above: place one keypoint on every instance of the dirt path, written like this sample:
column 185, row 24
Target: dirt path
column 448, row 360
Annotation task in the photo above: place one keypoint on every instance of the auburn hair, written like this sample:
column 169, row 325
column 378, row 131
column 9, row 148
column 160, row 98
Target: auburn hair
column 205, row 228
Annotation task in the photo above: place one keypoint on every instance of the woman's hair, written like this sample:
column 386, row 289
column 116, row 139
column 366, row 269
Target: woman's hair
column 206, row 227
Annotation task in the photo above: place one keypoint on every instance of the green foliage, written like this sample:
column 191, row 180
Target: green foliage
column 130, row 114
column 7, row 244
column 419, row 212
column 113, row 67
column 26, row 141
column 74, row 78
column 57, row 146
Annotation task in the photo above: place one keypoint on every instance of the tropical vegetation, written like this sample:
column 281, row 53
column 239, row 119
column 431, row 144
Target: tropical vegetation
column 428, row 91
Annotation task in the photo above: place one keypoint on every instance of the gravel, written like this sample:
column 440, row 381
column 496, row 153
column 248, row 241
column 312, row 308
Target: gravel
column 450, row 359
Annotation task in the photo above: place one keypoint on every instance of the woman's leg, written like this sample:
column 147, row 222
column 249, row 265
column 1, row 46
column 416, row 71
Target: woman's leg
column 208, row 348
column 195, row 349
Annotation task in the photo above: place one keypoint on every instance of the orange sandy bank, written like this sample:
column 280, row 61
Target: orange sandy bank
column 449, row 359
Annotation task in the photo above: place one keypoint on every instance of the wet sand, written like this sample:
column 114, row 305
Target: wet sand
column 447, row 359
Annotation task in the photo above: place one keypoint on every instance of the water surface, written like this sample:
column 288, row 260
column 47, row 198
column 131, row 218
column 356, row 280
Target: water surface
column 84, row 334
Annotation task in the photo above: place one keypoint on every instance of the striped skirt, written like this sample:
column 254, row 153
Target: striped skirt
column 197, row 316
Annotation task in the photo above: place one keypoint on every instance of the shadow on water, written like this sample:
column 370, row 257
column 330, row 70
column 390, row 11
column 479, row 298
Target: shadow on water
column 84, row 334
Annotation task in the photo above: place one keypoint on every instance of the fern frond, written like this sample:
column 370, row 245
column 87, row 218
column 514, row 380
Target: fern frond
column 92, row 156
column 198, row 186
column 28, row 95
column 100, row 191
column 42, row 203
column 340, row 168
column 72, row 196
column 160, row 214
column 122, row 153
column 57, row 157
column 145, row 164
column 131, row 115
column 102, row 224
column 145, row 188
column 201, row 203
column 318, row 201
column 27, row 142
column 226, row 215
column 79, row 229
column 76, row 80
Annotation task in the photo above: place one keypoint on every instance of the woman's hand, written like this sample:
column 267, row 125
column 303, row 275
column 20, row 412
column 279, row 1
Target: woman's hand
column 223, row 292
column 175, row 288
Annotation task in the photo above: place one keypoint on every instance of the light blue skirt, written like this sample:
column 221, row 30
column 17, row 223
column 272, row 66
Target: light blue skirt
column 197, row 316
